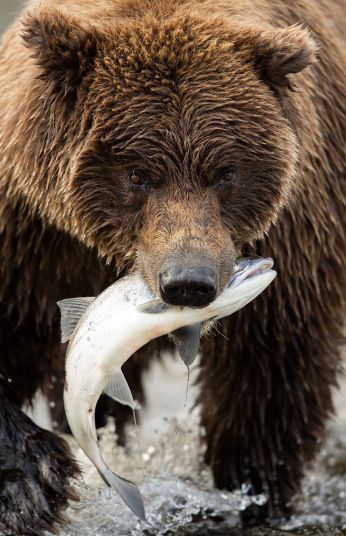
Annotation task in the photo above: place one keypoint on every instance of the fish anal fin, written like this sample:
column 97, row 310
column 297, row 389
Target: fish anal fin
column 187, row 341
column 71, row 312
column 118, row 389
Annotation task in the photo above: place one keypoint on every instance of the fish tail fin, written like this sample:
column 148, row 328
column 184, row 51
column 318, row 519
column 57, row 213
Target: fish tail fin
column 127, row 490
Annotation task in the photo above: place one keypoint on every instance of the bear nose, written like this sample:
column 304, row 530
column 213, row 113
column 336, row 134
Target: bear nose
column 194, row 287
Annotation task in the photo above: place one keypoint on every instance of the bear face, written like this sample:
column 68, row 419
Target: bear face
column 186, row 146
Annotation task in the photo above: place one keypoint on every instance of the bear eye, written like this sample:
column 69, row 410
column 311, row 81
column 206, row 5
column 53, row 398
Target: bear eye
column 138, row 180
column 225, row 176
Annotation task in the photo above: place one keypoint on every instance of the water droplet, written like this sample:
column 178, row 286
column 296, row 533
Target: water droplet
column 245, row 488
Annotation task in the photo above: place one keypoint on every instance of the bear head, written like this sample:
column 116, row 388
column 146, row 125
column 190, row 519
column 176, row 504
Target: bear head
column 182, row 138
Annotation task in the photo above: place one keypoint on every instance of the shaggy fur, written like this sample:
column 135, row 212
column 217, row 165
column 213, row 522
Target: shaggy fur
column 142, row 133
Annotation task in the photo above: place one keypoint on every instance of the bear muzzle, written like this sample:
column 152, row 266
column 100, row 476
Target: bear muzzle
column 190, row 286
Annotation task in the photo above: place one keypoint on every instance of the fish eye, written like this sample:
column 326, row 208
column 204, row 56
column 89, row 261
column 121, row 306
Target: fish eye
column 138, row 180
column 237, row 268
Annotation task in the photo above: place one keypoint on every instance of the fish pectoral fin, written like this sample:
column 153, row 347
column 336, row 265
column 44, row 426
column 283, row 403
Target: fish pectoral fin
column 71, row 311
column 153, row 307
column 127, row 490
column 187, row 341
column 118, row 389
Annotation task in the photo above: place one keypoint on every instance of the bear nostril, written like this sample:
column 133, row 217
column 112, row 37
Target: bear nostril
column 187, row 286
column 203, row 289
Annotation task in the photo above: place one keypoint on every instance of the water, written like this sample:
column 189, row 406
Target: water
column 178, row 490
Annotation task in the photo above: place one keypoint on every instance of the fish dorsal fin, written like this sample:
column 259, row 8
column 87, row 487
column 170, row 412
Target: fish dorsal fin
column 71, row 311
column 187, row 341
column 153, row 307
column 118, row 389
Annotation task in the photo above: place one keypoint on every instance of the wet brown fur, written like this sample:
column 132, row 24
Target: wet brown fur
column 91, row 90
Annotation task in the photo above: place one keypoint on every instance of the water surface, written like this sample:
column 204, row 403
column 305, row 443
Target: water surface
column 178, row 489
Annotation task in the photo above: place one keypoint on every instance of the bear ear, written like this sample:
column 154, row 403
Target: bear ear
column 63, row 49
column 279, row 53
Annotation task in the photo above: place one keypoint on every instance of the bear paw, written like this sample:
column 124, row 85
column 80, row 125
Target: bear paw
column 35, row 470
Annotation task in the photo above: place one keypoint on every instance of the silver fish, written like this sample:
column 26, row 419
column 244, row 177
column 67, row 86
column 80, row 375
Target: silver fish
column 105, row 331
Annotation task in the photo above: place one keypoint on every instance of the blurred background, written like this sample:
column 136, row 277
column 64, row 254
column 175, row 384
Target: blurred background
column 8, row 11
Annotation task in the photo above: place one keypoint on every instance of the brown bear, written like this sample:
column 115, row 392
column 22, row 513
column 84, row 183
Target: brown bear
column 172, row 137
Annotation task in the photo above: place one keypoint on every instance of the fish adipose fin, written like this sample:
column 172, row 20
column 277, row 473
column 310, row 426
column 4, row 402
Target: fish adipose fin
column 153, row 307
column 71, row 311
column 187, row 341
column 118, row 389
column 127, row 490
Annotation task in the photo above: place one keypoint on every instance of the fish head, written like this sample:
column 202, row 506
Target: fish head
column 249, row 267
column 252, row 275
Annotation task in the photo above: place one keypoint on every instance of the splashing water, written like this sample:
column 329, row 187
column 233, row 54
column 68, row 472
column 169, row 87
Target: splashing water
column 187, row 386
column 138, row 442
column 178, row 489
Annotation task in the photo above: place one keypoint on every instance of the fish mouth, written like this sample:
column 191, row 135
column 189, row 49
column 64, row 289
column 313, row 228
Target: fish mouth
column 259, row 268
